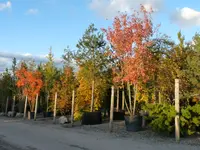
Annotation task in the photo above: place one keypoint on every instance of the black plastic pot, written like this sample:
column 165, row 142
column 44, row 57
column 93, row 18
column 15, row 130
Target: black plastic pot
column 133, row 125
column 31, row 115
column 91, row 118
column 47, row 114
column 119, row 115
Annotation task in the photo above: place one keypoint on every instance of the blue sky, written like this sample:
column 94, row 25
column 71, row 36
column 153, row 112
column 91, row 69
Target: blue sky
column 30, row 27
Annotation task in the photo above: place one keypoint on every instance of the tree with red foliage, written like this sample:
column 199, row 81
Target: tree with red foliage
column 130, row 38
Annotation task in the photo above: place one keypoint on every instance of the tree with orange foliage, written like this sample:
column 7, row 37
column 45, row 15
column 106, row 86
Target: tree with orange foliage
column 64, row 87
column 130, row 38
column 30, row 81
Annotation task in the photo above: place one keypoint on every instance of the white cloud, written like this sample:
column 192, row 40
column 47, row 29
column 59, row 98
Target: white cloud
column 6, row 59
column 186, row 17
column 32, row 11
column 4, row 6
column 110, row 8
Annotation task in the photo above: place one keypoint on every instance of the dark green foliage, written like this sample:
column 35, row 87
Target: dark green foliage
column 190, row 120
column 162, row 117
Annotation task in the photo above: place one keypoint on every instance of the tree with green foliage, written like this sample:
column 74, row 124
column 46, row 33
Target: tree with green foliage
column 91, row 57
column 49, row 73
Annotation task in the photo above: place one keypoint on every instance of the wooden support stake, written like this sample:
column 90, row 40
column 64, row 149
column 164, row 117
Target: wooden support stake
column 111, row 109
column 123, row 99
column 36, row 106
column 25, row 107
column 117, row 99
column 177, row 121
column 13, row 106
column 6, row 112
column 92, row 98
column 55, row 103
column 160, row 101
column 72, row 111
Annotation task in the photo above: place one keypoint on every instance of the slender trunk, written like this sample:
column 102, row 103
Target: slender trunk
column 13, row 105
column 123, row 99
column 93, row 81
column 47, row 99
column 135, row 99
column 118, row 99
column 72, row 111
column 36, row 106
column 55, row 103
column 92, row 98
column 156, row 93
column 7, row 105
column 127, row 107
column 25, row 107
column 111, row 109
column 129, row 96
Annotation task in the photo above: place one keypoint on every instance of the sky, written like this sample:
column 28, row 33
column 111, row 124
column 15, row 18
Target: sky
column 28, row 28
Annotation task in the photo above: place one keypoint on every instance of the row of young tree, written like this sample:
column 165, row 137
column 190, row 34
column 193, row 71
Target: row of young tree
column 132, row 55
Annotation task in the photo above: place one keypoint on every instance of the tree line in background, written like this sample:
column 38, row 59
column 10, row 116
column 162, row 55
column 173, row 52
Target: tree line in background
column 133, row 56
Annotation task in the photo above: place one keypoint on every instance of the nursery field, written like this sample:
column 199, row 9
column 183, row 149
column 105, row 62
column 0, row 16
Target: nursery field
column 124, row 86
column 16, row 134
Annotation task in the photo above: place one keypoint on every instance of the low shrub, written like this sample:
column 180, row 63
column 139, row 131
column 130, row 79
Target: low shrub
column 190, row 120
column 162, row 118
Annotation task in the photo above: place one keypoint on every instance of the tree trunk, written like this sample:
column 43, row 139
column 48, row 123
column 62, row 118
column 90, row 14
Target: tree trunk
column 92, row 98
column 72, row 111
column 111, row 109
column 123, row 99
column 36, row 106
column 156, row 93
column 47, row 100
column 25, row 107
column 135, row 99
column 118, row 99
column 55, row 103
column 129, row 97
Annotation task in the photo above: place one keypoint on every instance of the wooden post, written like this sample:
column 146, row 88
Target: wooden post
column 54, row 113
column 13, row 106
column 47, row 99
column 6, row 112
column 177, row 121
column 118, row 99
column 92, row 98
column 72, row 111
column 160, row 101
column 123, row 99
column 36, row 106
column 25, row 106
column 111, row 109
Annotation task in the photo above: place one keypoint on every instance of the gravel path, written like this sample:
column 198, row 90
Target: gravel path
column 43, row 135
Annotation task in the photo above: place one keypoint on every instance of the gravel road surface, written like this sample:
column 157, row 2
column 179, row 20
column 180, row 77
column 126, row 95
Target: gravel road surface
column 29, row 135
